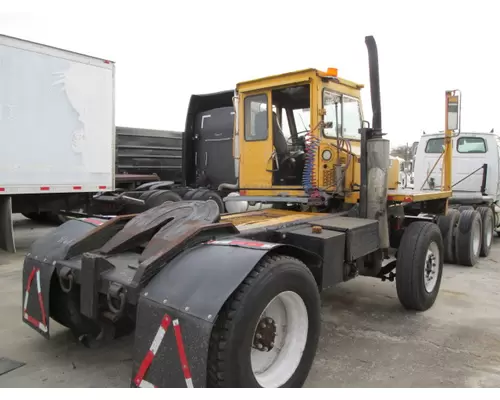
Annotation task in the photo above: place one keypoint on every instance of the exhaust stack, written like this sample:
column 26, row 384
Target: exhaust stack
column 375, row 152
column 371, row 45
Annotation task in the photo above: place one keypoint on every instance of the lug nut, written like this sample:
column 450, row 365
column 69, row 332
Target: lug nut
column 259, row 346
column 265, row 349
column 258, row 336
column 263, row 325
column 269, row 321
column 272, row 344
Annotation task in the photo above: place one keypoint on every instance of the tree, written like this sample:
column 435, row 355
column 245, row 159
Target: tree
column 402, row 151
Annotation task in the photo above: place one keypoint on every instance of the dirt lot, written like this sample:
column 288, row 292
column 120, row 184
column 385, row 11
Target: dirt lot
column 367, row 339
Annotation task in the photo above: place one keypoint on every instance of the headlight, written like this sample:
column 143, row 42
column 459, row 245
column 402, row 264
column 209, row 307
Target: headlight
column 326, row 155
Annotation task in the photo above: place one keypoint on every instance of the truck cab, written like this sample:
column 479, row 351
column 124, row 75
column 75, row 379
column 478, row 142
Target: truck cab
column 475, row 177
column 297, row 133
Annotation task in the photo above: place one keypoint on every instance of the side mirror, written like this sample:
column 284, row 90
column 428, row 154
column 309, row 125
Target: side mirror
column 453, row 110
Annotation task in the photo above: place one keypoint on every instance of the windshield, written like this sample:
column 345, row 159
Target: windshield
column 344, row 114
column 301, row 119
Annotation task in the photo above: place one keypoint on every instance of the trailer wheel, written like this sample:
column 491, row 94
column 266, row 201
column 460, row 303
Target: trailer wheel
column 447, row 224
column 267, row 333
column 41, row 217
column 487, row 220
column 464, row 208
column 419, row 265
column 468, row 238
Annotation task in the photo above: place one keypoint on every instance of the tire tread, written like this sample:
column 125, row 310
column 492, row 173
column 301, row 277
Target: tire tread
column 216, row 371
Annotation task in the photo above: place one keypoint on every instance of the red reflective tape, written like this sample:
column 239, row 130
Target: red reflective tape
column 93, row 221
column 44, row 188
column 77, row 188
column 144, row 367
column 40, row 299
column 165, row 322
column 102, row 187
column 33, row 321
column 182, row 352
column 247, row 243
column 2, row 189
column 30, row 279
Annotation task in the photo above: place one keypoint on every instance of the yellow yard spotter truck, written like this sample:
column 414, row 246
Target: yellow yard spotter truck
column 233, row 300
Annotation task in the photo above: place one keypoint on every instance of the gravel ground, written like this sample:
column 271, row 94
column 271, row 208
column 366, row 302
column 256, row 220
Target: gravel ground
column 367, row 339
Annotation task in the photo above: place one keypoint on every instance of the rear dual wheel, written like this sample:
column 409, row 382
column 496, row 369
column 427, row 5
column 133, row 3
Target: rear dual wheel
column 448, row 224
column 488, row 222
column 267, row 332
column 468, row 238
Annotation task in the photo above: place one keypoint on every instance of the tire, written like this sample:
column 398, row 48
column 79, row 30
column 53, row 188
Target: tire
column 162, row 196
column 189, row 194
column 211, row 195
column 468, row 238
column 488, row 223
column 181, row 191
column 411, row 266
column 199, row 194
column 65, row 309
column 232, row 340
column 447, row 224
column 464, row 208
column 146, row 195
column 42, row 217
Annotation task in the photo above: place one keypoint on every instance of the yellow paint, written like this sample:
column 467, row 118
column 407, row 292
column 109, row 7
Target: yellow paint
column 265, row 218
column 256, row 156
column 409, row 196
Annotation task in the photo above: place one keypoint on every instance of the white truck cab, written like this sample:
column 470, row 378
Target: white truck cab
column 475, row 185
column 475, row 166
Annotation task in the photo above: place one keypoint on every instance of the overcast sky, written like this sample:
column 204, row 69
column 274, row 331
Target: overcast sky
column 167, row 50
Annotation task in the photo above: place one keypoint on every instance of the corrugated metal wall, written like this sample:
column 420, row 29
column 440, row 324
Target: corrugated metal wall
column 148, row 151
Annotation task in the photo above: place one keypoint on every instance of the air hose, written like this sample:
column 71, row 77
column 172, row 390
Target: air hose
column 309, row 178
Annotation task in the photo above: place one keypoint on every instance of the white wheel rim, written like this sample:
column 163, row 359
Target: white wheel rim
column 476, row 238
column 275, row 367
column 431, row 267
column 489, row 232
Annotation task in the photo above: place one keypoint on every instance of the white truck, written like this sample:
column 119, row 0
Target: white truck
column 475, row 186
column 57, row 129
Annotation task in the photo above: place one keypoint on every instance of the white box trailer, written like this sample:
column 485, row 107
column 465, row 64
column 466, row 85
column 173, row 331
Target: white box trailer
column 57, row 128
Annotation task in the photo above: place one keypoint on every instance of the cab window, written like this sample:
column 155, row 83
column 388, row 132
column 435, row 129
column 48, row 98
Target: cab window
column 256, row 123
column 471, row 145
column 435, row 146
column 344, row 114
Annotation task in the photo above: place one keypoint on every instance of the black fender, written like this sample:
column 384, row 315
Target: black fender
column 39, row 266
column 177, row 310
column 154, row 185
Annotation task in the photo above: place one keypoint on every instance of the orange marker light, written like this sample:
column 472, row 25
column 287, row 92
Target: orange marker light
column 332, row 72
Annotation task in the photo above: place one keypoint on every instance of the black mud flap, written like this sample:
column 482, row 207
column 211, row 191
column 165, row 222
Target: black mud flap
column 39, row 265
column 36, row 290
column 178, row 308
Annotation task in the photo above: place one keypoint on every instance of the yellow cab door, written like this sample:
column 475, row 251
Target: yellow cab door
column 256, row 149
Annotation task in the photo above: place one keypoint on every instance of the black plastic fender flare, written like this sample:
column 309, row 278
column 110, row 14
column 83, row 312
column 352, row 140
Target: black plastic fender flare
column 177, row 310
